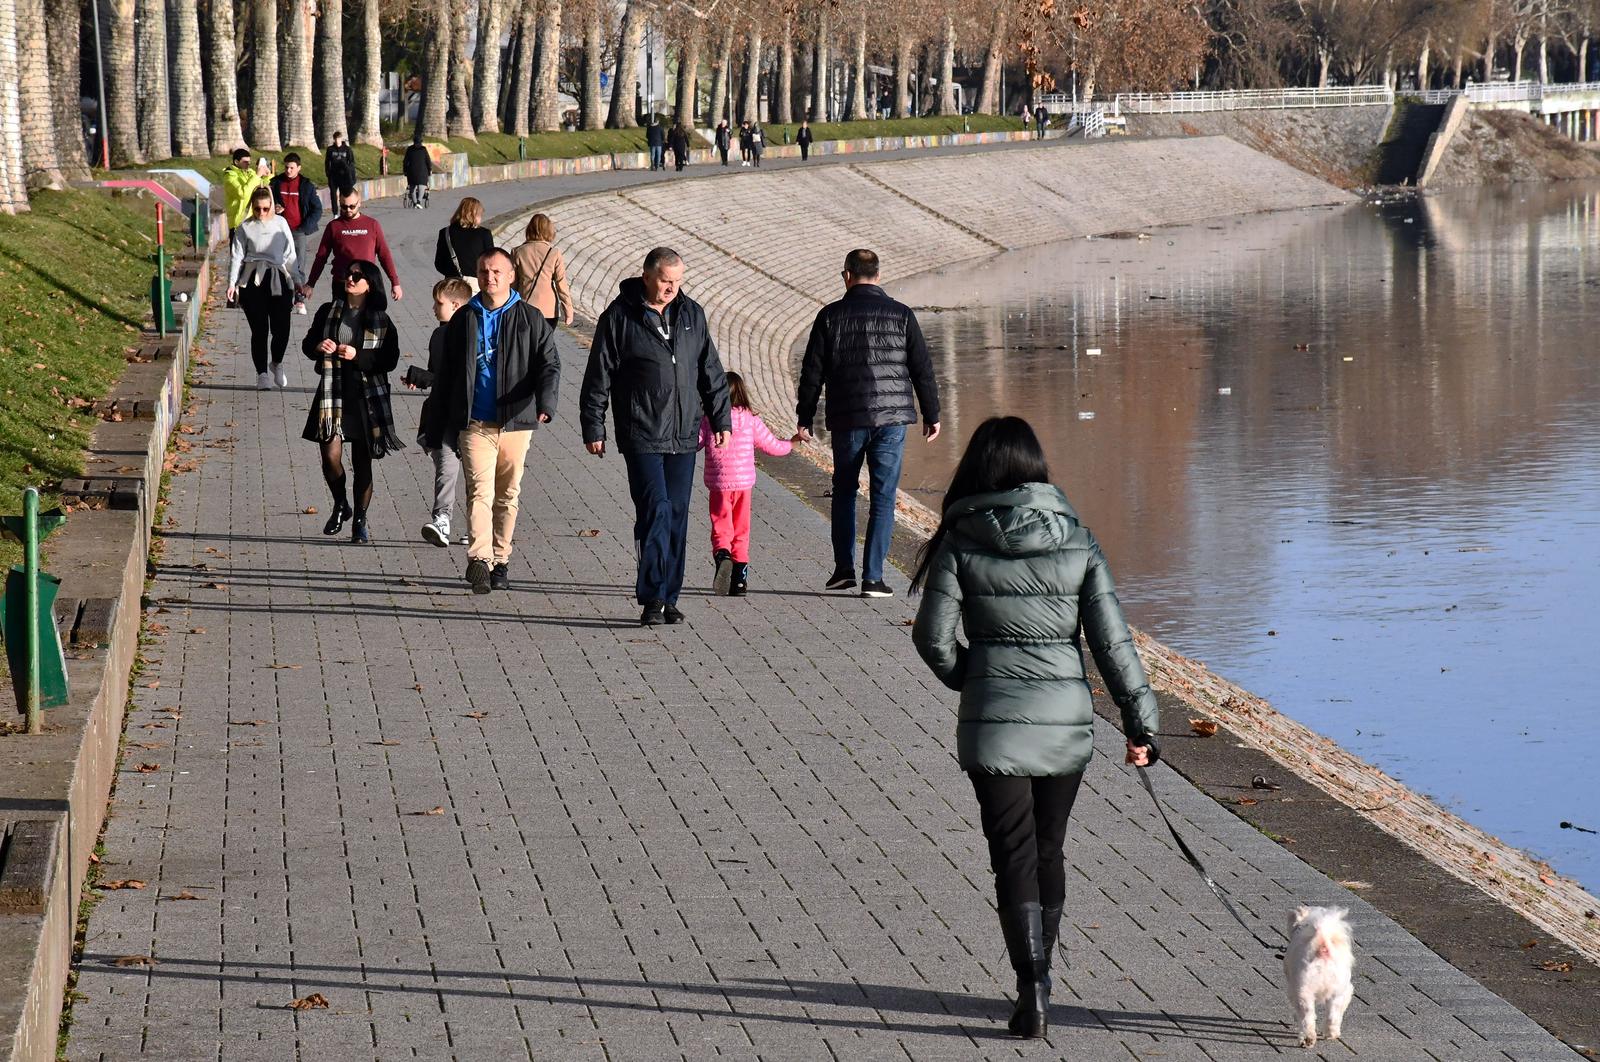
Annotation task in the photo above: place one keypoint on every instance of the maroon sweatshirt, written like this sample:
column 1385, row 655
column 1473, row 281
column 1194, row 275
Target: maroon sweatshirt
column 353, row 240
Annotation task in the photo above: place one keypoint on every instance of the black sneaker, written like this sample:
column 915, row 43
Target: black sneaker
column 499, row 578
column 842, row 580
column 478, row 576
column 673, row 615
column 741, row 580
column 724, row 577
column 654, row 614
column 876, row 588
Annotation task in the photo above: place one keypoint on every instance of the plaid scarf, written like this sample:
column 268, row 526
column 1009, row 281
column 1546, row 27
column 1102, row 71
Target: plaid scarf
column 330, row 389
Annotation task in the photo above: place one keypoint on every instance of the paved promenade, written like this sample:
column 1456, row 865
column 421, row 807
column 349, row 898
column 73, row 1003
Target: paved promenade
column 520, row 827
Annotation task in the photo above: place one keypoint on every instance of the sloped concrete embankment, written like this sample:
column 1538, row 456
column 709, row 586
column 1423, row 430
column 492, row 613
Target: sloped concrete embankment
column 763, row 254
column 1337, row 144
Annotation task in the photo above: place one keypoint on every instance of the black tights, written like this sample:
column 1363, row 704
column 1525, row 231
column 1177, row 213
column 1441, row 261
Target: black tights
column 1025, row 823
column 333, row 472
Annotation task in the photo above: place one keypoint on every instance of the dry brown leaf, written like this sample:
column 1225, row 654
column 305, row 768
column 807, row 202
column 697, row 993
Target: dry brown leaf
column 1356, row 885
column 152, row 726
column 184, row 895
column 431, row 811
column 310, row 510
column 94, row 858
column 214, row 586
column 128, row 883
column 1246, row 801
column 1556, row 966
column 148, row 768
column 248, row 722
column 417, row 687
column 1203, row 727
column 315, row 1001
column 1529, row 945
column 283, row 667
column 386, row 741
column 147, row 744
column 197, row 630
column 153, row 684
column 1547, row 879
column 135, row 960
column 593, row 532
column 475, row 715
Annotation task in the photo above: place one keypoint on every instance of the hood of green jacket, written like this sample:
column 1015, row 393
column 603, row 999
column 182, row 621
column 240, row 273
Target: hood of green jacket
column 1025, row 521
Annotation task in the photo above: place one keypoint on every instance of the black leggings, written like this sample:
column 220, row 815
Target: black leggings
column 1025, row 823
column 333, row 471
column 266, row 313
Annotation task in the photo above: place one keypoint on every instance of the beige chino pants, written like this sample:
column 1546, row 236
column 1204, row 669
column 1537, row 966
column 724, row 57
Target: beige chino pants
column 493, row 461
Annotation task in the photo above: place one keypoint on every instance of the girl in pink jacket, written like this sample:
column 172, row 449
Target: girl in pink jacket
column 731, row 479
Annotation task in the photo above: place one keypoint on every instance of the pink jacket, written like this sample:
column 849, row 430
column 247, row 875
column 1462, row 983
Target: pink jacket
column 733, row 467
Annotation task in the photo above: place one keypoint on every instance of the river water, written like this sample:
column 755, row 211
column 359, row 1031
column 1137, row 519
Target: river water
column 1349, row 458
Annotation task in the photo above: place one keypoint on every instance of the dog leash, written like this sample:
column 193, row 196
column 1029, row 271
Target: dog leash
column 1200, row 868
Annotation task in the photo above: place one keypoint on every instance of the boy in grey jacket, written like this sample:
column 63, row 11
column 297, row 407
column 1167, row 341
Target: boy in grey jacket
column 449, row 295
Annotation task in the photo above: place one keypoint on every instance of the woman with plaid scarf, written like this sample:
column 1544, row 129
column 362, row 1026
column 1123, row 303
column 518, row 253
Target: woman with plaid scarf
column 354, row 346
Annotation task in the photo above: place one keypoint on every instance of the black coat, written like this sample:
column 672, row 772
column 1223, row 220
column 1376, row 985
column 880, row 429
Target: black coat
column 418, row 165
column 310, row 202
column 469, row 244
column 678, row 140
column 867, row 350
column 658, row 388
column 340, row 166
column 655, row 135
column 803, row 137
column 527, row 374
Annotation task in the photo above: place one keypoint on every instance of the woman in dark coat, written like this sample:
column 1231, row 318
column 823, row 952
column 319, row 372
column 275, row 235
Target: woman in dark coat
column 354, row 346
column 1011, row 564
column 461, row 242
column 723, row 141
column 678, row 141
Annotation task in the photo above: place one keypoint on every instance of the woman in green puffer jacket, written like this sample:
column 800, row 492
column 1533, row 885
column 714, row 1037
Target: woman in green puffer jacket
column 1011, row 563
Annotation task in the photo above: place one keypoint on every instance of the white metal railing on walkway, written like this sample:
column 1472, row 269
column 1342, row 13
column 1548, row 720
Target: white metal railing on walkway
column 1253, row 99
column 1090, row 123
column 1507, row 91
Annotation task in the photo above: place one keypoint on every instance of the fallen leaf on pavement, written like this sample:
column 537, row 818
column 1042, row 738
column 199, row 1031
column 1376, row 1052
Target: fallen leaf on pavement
column 386, row 742
column 247, row 722
column 147, row 745
column 184, row 895
column 1556, row 966
column 475, row 715
column 214, row 586
column 130, row 883
column 431, row 811
column 593, row 532
column 197, row 630
column 1356, row 885
column 310, row 510
column 154, row 684
column 148, row 768
column 135, row 960
column 315, row 1001
column 1246, row 801
column 283, row 667
column 152, row 726
column 1203, row 727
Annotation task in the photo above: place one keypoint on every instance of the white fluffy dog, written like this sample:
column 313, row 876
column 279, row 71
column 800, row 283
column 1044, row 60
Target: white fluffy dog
column 1317, row 967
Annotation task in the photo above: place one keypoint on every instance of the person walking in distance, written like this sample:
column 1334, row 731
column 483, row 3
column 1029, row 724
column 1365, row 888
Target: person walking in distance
column 678, row 140
column 339, row 163
column 652, row 353
column 758, row 143
column 655, row 137
column 354, row 346
column 262, row 253
column 867, row 351
column 542, row 271
column 301, row 207
column 238, row 181
column 744, row 143
column 731, row 480
column 498, row 381
column 449, row 296
column 352, row 237
column 1012, row 565
column 462, row 242
column 724, row 140
column 418, row 169
column 803, row 138
column 1041, row 121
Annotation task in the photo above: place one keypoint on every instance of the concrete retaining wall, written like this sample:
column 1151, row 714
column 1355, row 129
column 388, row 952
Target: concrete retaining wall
column 1439, row 143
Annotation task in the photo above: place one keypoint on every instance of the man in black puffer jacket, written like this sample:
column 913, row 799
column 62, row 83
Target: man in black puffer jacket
column 653, row 353
column 867, row 350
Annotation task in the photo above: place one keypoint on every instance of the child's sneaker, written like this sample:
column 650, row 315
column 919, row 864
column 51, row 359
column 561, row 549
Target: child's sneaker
column 724, row 577
column 741, row 580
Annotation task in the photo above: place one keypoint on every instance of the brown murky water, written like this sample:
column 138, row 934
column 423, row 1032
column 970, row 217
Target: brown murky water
column 1350, row 458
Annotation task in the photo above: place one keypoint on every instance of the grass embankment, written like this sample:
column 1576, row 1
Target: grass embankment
column 931, row 126
column 74, row 294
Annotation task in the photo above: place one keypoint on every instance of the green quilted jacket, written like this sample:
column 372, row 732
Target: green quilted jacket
column 1022, row 576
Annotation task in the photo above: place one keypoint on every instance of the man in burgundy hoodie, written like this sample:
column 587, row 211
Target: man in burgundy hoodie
column 351, row 237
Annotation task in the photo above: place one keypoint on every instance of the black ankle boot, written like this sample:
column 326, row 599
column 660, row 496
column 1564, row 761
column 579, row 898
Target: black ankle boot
column 1023, row 928
column 358, row 530
column 335, row 524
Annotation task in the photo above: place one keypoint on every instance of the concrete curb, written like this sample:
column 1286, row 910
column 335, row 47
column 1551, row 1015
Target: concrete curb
column 63, row 778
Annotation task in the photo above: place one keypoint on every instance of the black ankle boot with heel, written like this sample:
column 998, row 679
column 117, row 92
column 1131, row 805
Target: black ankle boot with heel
column 335, row 524
column 1023, row 928
column 358, row 530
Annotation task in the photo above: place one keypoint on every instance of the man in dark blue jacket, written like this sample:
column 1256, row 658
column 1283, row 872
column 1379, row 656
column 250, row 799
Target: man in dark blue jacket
column 867, row 350
column 653, row 355
column 297, row 200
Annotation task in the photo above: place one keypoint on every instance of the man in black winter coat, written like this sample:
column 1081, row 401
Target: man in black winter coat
column 498, row 381
column 655, row 137
column 340, row 165
column 867, row 350
column 653, row 355
column 418, row 168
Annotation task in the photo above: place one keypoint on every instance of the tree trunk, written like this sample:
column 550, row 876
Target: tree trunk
column 188, row 80
column 1544, row 59
column 486, row 66
column 65, row 55
column 460, row 114
column 1518, row 44
column 547, row 78
column 13, row 190
column 122, row 102
column 903, row 47
column 625, row 81
column 1488, row 59
column 1583, row 60
column 155, row 114
column 594, row 41
column 819, row 69
column 295, row 74
column 785, row 90
column 1324, row 61
column 41, row 168
column 948, row 104
column 856, row 107
column 750, row 94
column 432, row 111
column 688, row 71
column 264, row 76
column 519, row 99
column 1422, row 62
column 331, row 117
column 369, row 90
column 1461, row 61
column 721, row 76
column 989, row 101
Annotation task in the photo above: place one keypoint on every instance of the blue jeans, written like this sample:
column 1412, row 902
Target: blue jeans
column 882, row 450
column 660, row 485
column 658, row 157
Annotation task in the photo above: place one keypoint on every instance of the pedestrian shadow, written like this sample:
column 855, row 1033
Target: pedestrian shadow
column 896, row 1007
